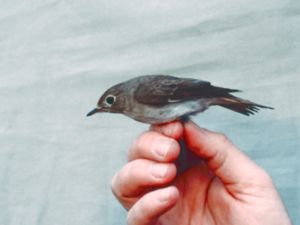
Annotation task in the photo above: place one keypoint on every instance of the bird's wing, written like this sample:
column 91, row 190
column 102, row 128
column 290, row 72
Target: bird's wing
column 161, row 90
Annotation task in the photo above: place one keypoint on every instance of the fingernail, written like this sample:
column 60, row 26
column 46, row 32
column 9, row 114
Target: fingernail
column 158, row 171
column 164, row 196
column 162, row 147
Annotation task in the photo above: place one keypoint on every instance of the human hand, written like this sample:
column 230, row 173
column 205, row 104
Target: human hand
column 227, row 188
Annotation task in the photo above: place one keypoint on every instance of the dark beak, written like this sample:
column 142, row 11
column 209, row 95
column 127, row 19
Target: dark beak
column 93, row 111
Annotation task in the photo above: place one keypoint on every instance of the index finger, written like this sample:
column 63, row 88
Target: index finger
column 172, row 130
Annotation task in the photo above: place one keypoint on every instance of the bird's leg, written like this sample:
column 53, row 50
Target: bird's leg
column 184, row 118
column 187, row 158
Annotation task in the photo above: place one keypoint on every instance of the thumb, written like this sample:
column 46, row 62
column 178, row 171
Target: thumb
column 227, row 162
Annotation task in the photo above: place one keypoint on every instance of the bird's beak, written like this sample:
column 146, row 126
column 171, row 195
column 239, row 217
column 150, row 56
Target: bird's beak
column 94, row 111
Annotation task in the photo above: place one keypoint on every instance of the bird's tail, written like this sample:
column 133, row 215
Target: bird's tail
column 240, row 105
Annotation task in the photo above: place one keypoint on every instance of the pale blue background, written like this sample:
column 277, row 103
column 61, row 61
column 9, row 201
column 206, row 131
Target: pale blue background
column 57, row 57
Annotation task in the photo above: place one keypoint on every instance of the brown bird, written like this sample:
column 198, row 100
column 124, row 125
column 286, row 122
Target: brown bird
column 157, row 99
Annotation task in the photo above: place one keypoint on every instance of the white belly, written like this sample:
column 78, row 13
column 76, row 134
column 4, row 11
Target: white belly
column 170, row 112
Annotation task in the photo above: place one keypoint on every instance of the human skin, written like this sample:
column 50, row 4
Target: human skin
column 225, row 188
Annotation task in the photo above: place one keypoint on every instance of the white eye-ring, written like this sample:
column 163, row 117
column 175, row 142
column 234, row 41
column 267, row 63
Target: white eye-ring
column 110, row 99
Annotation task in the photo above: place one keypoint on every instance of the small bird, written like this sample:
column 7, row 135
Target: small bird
column 157, row 99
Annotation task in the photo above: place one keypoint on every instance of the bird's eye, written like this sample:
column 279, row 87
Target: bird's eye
column 110, row 100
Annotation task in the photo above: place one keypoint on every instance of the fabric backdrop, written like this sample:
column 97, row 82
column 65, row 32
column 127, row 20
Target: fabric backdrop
column 58, row 56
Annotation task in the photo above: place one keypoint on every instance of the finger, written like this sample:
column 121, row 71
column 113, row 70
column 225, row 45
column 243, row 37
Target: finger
column 152, row 205
column 154, row 146
column 230, row 164
column 136, row 177
column 172, row 130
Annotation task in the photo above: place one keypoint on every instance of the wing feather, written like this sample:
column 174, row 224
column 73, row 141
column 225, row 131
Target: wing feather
column 164, row 89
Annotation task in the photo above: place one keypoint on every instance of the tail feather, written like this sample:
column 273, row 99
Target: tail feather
column 239, row 105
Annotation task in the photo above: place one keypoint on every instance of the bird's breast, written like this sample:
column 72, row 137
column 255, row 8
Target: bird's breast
column 170, row 112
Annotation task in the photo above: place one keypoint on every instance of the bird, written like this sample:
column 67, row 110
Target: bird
column 159, row 99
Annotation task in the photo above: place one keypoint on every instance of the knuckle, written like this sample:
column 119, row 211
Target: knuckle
column 115, row 187
column 143, row 136
column 119, row 180
column 222, row 137
column 144, row 139
column 113, row 182
column 130, row 168
column 132, row 149
column 265, row 177
column 138, row 145
column 148, row 136
column 134, row 169
column 137, row 142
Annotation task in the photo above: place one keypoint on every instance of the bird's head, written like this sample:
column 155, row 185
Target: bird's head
column 111, row 101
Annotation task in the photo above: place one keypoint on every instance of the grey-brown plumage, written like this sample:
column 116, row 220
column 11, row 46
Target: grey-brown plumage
column 158, row 99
